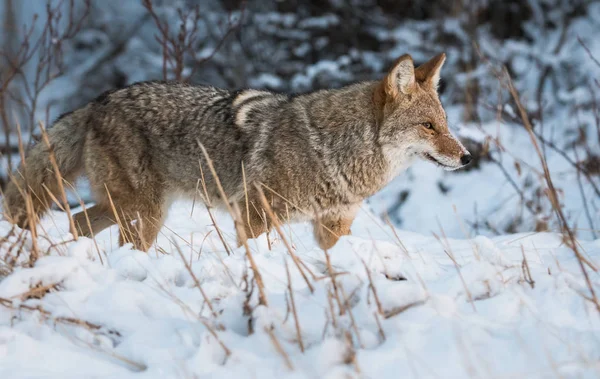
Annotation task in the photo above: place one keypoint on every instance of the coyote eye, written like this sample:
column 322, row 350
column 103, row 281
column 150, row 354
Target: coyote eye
column 428, row 125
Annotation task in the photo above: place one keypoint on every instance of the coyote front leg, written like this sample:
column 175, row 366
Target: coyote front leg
column 329, row 229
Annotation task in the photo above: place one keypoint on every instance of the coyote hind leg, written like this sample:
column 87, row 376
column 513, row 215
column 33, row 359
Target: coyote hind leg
column 123, row 206
column 126, row 183
column 149, row 218
column 100, row 218
column 148, row 221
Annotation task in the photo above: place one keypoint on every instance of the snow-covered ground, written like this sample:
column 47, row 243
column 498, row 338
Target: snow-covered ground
column 414, row 305
column 549, row 47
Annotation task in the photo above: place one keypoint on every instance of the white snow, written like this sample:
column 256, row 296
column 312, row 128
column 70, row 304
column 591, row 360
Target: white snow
column 448, row 307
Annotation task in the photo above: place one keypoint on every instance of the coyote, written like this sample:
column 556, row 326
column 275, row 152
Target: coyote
column 314, row 156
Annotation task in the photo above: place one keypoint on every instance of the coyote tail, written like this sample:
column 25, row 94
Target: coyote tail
column 35, row 178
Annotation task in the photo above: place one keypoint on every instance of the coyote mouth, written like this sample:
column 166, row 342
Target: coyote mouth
column 429, row 157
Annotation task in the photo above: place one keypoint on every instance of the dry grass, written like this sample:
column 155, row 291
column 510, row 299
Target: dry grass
column 567, row 232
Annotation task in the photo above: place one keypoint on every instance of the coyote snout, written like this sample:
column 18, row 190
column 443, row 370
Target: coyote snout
column 447, row 152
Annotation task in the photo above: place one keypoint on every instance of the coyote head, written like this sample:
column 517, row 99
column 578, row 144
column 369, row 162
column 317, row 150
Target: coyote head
column 411, row 118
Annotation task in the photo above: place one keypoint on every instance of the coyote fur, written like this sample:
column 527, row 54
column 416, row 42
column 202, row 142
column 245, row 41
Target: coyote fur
column 315, row 156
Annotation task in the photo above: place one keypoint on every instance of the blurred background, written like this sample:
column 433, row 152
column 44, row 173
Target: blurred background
column 57, row 55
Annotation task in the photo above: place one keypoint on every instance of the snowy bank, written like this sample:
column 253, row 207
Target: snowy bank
column 412, row 305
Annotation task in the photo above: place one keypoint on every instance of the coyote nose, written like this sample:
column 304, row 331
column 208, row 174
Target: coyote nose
column 466, row 159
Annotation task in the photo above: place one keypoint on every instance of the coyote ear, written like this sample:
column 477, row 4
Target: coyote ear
column 429, row 72
column 401, row 77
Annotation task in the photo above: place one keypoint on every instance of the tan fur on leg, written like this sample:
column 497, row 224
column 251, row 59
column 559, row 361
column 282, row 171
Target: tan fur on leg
column 254, row 221
column 328, row 230
column 99, row 217
column 143, row 233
